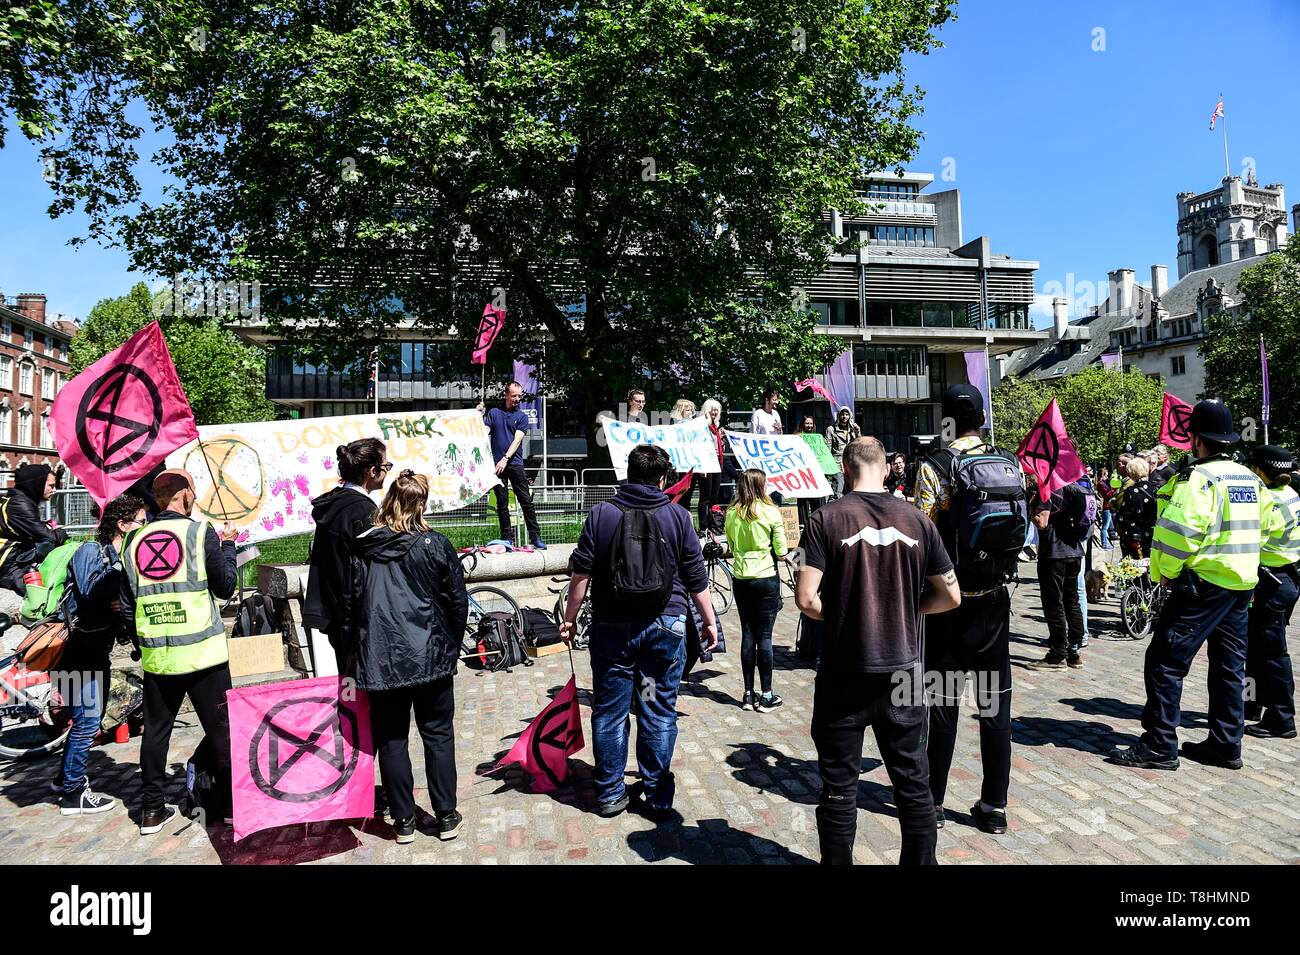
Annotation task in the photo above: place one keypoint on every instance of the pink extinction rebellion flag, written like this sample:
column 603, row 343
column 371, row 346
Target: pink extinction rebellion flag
column 1048, row 453
column 812, row 385
column 489, row 327
column 300, row 751
column 555, row 734
column 122, row 416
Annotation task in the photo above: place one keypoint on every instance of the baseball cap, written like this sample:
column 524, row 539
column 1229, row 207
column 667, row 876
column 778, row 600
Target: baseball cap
column 962, row 400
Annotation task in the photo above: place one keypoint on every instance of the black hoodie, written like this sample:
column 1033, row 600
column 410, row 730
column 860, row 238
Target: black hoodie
column 25, row 539
column 340, row 515
column 411, row 607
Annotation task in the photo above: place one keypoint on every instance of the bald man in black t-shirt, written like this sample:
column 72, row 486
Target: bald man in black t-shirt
column 868, row 558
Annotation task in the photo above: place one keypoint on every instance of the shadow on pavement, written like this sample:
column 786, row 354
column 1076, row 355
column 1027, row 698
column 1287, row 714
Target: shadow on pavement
column 713, row 841
column 787, row 777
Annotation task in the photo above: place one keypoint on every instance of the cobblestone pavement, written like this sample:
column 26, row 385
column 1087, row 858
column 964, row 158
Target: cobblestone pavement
column 747, row 782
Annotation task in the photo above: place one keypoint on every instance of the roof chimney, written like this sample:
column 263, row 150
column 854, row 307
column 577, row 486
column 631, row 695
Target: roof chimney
column 1060, row 317
column 1121, row 289
column 1159, row 280
column 32, row 305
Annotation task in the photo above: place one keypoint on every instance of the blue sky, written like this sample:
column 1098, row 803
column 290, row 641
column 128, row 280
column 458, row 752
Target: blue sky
column 1064, row 154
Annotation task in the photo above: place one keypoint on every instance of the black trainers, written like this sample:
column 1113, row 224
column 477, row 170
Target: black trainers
column 1049, row 662
column 448, row 824
column 86, row 803
column 939, row 818
column 1264, row 731
column 405, row 830
column 607, row 810
column 1074, row 661
column 152, row 821
column 767, row 702
column 1138, row 756
column 747, row 701
column 1206, row 753
column 994, row 822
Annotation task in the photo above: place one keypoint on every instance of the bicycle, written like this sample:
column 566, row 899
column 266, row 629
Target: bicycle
column 1139, row 605
column 33, row 719
column 721, row 579
column 583, row 623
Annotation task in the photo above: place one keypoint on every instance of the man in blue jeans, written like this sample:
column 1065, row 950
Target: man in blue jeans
column 638, row 642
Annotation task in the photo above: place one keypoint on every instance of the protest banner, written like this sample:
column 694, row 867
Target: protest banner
column 300, row 751
column 790, row 464
column 689, row 443
column 1175, row 419
column 262, row 476
column 825, row 460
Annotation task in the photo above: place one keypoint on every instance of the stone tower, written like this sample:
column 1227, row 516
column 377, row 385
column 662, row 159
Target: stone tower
column 1237, row 220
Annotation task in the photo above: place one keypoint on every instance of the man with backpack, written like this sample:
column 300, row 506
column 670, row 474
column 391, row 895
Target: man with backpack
column 642, row 560
column 975, row 495
column 1064, row 522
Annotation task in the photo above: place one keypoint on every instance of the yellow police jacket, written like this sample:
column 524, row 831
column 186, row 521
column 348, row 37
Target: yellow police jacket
column 1212, row 519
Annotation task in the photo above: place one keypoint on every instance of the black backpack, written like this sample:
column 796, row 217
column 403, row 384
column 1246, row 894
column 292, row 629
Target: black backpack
column 500, row 643
column 641, row 567
column 257, row 615
column 985, row 526
column 540, row 628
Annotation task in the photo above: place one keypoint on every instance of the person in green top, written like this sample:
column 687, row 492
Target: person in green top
column 756, row 537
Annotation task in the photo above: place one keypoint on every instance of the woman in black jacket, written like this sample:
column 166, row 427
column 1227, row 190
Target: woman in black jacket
column 411, row 609
column 341, row 513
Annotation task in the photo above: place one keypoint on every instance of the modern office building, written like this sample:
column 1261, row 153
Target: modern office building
column 908, row 305
column 1160, row 327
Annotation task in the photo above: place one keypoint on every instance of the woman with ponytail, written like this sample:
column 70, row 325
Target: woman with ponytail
column 410, row 610
column 341, row 513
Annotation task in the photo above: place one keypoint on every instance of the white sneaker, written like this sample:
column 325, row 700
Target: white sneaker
column 86, row 803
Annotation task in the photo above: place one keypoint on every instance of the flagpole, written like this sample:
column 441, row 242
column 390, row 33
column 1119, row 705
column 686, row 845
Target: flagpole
column 1265, row 403
column 1227, row 168
column 988, row 384
column 376, row 379
column 1123, row 395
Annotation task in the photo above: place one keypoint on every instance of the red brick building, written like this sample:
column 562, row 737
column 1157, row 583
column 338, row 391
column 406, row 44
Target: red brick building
column 33, row 367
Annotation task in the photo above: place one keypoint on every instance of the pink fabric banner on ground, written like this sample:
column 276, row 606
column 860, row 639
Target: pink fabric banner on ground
column 555, row 734
column 489, row 327
column 122, row 416
column 300, row 751
column 1048, row 453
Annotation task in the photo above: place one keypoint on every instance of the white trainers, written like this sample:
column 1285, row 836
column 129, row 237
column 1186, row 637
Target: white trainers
column 86, row 803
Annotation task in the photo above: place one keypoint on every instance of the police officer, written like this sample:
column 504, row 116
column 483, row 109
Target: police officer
column 174, row 567
column 1211, row 521
column 1267, row 662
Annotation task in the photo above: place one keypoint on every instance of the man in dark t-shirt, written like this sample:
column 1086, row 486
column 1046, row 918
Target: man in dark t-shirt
column 867, row 558
column 507, row 428
column 1060, row 554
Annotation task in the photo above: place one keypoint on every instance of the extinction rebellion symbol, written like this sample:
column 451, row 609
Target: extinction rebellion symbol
column 1041, row 444
column 1180, row 421
column 294, row 763
column 159, row 555
column 122, row 440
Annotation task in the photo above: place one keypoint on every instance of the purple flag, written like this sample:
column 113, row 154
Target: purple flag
column 839, row 381
column 1110, row 359
column 1263, row 367
column 531, row 405
column 977, row 373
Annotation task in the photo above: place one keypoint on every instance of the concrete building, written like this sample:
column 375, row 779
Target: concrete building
column 33, row 367
column 907, row 304
column 1160, row 327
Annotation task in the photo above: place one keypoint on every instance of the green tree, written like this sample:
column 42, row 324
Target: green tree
column 1271, row 307
column 1102, row 410
column 224, row 379
column 658, row 166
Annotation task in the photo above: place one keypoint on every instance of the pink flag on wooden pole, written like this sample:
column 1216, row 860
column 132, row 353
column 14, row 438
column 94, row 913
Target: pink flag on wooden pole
column 489, row 327
column 122, row 416
column 1048, row 453
column 1175, row 419
column 300, row 751
column 555, row 734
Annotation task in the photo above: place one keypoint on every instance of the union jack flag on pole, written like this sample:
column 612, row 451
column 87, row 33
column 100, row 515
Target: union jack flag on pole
column 1218, row 112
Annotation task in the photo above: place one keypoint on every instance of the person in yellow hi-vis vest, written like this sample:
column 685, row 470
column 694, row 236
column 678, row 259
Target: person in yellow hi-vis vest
column 1213, row 518
column 172, row 570
column 1268, row 665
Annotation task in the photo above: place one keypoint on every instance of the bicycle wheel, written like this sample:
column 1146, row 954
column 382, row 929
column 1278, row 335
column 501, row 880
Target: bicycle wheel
column 1136, row 613
column 720, row 586
column 468, row 562
column 482, row 600
column 31, row 723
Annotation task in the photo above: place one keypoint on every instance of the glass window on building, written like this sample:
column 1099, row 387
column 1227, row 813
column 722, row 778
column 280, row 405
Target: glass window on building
column 25, row 427
column 6, row 373
column 1178, row 365
column 937, row 315
column 25, row 378
column 29, row 337
column 907, row 314
column 47, row 440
